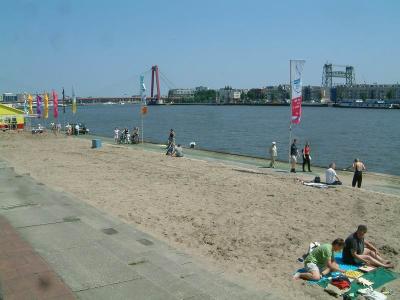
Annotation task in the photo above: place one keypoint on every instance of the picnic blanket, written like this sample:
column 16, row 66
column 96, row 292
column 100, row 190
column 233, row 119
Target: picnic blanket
column 317, row 185
column 324, row 280
column 339, row 259
column 379, row 277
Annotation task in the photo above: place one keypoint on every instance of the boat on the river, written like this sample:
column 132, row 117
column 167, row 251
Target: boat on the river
column 368, row 103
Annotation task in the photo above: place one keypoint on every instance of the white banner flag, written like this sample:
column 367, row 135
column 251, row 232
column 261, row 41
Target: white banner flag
column 296, row 69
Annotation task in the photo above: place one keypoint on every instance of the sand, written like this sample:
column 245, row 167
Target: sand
column 249, row 222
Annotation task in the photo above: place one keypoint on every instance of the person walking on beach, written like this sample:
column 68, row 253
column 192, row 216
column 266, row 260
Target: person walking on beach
column 306, row 156
column 77, row 129
column 294, row 152
column 358, row 167
column 116, row 135
column 273, row 151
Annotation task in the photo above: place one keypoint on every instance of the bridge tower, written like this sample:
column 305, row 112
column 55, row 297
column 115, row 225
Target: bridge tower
column 329, row 72
column 155, row 73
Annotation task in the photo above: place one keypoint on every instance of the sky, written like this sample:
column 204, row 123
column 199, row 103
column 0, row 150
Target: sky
column 101, row 47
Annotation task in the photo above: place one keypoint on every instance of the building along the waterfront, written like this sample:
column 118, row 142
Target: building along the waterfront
column 366, row 91
column 228, row 95
column 10, row 97
column 179, row 95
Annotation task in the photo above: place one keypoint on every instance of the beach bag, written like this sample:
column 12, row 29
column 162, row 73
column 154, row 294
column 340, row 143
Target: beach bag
column 341, row 282
column 317, row 179
column 312, row 246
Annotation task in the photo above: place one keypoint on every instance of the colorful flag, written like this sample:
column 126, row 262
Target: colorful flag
column 63, row 93
column 296, row 69
column 25, row 104
column 142, row 90
column 73, row 101
column 46, row 106
column 55, row 104
column 38, row 105
column 30, row 99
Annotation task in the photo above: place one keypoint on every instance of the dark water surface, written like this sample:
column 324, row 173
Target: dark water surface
column 335, row 134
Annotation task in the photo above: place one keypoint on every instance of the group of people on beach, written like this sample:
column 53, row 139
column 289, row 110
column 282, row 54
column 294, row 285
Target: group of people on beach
column 331, row 177
column 124, row 137
column 294, row 154
column 355, row 251
column 72, row 129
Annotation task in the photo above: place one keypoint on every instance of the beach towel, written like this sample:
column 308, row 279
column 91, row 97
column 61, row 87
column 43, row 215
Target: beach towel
column 323, row 282
column 379, row 277
column 316, row 185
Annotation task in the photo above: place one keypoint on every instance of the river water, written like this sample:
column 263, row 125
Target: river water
column 335, row 134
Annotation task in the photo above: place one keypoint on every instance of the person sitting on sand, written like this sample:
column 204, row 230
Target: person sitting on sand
column 331, row 176
column 359, row 251
column 178, row 151
column 321, row 261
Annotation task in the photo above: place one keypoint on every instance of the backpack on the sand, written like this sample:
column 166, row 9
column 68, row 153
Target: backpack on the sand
column 311, row 247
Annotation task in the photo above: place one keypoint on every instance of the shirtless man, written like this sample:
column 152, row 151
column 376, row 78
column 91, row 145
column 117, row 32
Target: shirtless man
column 358, row 167
column 359, row 251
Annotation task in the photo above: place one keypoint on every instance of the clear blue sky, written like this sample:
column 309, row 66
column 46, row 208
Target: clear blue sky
column 100, row 47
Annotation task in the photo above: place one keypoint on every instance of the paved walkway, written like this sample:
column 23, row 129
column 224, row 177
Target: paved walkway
column 376, row 182
column 71, row 246
column 23, row 273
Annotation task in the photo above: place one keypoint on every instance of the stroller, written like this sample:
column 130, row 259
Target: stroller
column 170, row 148
column 123, row 138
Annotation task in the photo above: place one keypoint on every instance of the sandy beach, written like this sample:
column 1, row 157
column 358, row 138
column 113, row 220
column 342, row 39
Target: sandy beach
column 253, row 224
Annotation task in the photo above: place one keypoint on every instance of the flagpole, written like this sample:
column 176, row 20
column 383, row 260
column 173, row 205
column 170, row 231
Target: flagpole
column 143, row 103
column 290, row 109
column 63, row 103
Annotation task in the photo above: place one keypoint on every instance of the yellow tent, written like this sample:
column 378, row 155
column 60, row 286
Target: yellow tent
column 11, row 118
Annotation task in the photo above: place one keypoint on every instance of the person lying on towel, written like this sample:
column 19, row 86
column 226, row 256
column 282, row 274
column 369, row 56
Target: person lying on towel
column 321, row 261
column 358, row 251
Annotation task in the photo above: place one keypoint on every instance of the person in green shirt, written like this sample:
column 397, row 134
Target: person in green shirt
column 321, row 261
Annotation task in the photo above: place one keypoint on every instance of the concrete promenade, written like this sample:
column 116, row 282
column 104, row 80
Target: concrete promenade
column 375, row 182
column 72, row 250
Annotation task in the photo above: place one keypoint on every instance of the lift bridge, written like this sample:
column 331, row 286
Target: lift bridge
column 331, row 71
